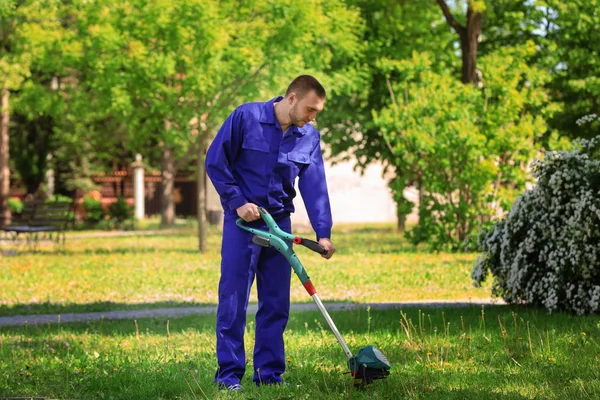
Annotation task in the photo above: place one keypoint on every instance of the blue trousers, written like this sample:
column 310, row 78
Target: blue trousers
column 241, row 262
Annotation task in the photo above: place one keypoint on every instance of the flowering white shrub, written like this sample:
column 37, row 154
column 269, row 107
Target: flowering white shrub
column 547, row 250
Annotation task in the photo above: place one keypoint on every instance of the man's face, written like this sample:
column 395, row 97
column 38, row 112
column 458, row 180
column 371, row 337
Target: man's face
column 305, row 109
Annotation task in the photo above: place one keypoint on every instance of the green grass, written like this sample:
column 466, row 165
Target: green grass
column 465, row 353
column 373, row 264
column 501, row 352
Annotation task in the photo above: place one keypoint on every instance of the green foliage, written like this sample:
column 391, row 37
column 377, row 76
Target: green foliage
column 14, row 64
column 120, row 211
column 93, row 210
column 49, row 95
column 572, row 29
column 465, row 148
column 171, row 72
column 15, row 205
column 93, row 83
column 511, row 23
column 392, row 31
column 100, row 81
column 30, row 141
column 59, row 197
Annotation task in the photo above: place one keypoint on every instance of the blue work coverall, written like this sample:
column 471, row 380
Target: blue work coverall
column 252, row 161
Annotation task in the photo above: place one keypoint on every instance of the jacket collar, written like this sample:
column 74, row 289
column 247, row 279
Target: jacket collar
column 267, row 116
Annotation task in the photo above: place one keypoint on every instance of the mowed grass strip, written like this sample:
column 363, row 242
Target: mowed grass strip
column 453, row 353
column 373, row 264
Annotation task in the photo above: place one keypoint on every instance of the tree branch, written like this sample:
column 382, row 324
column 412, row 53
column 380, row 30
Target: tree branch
column 389, row 85
column 449, row 17
column 237, row 86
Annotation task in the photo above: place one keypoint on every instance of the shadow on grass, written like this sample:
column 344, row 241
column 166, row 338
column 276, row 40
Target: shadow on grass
column 365, row 319
column 358, row 321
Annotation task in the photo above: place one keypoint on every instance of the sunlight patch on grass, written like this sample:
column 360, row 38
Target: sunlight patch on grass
column 373, row 264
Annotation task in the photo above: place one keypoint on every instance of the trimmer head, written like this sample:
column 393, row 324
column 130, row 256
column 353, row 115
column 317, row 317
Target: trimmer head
column 367, row 365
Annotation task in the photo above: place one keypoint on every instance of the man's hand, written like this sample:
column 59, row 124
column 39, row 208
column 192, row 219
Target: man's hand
column 327, row 245
column 248, row 212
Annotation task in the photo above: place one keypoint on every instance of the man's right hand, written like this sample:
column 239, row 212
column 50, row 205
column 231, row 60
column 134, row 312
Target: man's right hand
column 248, row 212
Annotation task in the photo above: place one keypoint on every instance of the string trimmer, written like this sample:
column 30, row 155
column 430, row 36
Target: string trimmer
column 369, row 363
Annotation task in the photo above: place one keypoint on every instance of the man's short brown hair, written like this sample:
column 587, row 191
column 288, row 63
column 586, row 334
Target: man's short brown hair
column 303, row 84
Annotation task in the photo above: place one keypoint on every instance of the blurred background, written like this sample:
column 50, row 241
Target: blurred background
column 434, row 111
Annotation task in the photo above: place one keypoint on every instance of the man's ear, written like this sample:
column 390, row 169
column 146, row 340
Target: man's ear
column 292, row 98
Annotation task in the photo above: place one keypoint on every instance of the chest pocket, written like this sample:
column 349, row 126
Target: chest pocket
column 297, row 161
column 254, row 154
column 256, row 144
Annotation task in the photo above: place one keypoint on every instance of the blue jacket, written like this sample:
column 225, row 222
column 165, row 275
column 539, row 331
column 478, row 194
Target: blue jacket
column 252, row 161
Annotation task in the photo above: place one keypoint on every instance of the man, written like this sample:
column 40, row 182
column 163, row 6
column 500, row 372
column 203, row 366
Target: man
column 253, row 162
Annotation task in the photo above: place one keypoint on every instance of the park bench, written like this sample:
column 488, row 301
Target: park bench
column 40, row 220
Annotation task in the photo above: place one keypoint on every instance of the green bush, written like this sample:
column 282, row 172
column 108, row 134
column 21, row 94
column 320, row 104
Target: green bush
column 93, row 209
column 59, row 197
column 15, row 206
column 120, row 211
column 545, row 252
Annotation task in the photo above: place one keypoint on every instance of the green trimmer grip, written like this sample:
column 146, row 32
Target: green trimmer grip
column 277, row 238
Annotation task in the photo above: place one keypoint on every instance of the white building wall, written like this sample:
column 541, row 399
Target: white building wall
column 354, row 198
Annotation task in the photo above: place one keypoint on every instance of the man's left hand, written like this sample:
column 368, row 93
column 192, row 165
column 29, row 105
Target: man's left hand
column 328, row 246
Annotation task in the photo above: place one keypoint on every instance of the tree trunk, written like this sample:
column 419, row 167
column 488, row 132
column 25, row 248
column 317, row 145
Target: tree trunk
column 4, row 157
column 421, row 197
column 469, row 42
column 403, row 209
column 167, row 204
column 201, row 212
column 401, row 219
column 469, row 39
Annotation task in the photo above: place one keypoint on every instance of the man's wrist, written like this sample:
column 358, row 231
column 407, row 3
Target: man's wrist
column 323, row 234
column 237, row 202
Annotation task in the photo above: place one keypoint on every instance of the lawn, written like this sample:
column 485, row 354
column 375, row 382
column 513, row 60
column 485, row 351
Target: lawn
column 506, row 352
column 373, row 264
column 469, row 353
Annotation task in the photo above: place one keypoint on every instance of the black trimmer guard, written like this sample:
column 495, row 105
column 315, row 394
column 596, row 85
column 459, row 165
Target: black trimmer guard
column 366, row 375
column 369, row 364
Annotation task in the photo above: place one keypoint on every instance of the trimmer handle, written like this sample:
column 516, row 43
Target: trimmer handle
column 275, row 230
column 310, row 244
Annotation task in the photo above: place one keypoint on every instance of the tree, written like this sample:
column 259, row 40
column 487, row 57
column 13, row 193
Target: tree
column 468, row 147
column 513, row 23
column 14, row 67
column 172, row 72
column 27, row 31
column 566, row 36
column 392, row 31
column 54, row 111
column 572, row 30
